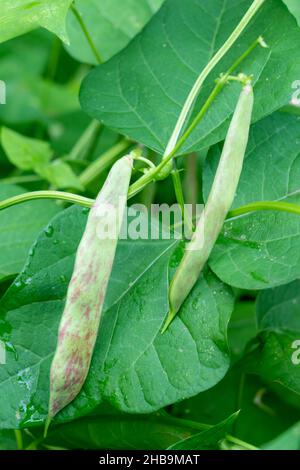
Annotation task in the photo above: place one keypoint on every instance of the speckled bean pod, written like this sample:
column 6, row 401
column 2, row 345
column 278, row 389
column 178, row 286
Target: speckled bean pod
column 81, row 317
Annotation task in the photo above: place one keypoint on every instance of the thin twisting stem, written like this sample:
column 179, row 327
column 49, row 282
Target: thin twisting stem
column 57, row 195
column 265, row 206
column 87, row 34
column 136, row 187
column 207, row 70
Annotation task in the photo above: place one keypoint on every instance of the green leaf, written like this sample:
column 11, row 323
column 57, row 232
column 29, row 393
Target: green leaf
column 206, row 440
column 110, row 23
column 19, row 226
column 120, row 432
column 23, row 62
column 21, row 16
column 271, row 170
column 289, row 440
column 294, row 7
column 258, row 251
column 7, row 440
column 279, row 307
column 141, row 91
column 33, row 154
column 60, row 175
column 277, row 355
column 131, row 355
column 260, row 408
column 23, row 152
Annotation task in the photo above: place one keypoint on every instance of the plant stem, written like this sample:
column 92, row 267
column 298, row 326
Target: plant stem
column 57, row 195
column 238, row 442
column 207, row 70
column 265, row 206
column 180, row 197
column 103, row 162
column 82, row 147
column 19, row 439
column 150, row 176
column 87, row 34
column 21, row 179
column 54, row 59
column 86, row 202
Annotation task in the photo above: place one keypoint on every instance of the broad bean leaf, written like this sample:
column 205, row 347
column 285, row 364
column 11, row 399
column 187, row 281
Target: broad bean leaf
column 111, row 25
column 21, row 16
column 208, row 439
column 131, row 355
column 140, row 92
column 145, row 432
column 277, row 355
column 19, row 226
column 289, row 440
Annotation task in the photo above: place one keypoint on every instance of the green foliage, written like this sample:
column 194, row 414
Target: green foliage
column 226, row 373
column 20, row 16
column 110, row 27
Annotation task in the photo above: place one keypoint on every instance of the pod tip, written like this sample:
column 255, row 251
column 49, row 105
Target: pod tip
column 47, row 425
column 170, row 318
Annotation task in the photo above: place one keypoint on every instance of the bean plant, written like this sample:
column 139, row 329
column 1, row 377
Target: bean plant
column 118, row 330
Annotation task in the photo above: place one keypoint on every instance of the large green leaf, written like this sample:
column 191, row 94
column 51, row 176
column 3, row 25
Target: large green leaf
column 294, row 7
column 120, row 432
column 279, row 307
column 8, row 440
column 208, row 439
column 132, row 356
column 20, row 16
column 289, row 440
column 277, row 355
column 260, row 408
column 111, row 25
column 141, row 91
column 258, row 251
column 19, row 226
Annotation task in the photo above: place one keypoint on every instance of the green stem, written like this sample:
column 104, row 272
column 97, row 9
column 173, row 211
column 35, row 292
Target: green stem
column 87, row 34
column 104, row 162
column 19, row 439
column 83, row 146
column 86, row 202
column 150, row 176
column 57, row 195
column 207, row 70
column 180, row 197
column 21, row 179
column 238, row 442
column 265, row 206
column 54, row 59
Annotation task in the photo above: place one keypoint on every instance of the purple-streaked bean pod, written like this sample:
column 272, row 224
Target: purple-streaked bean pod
column 218, row 205
column 85, row 297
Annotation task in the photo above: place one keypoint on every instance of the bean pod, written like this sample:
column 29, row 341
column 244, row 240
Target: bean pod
column 218, row 205
column 85, row 297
